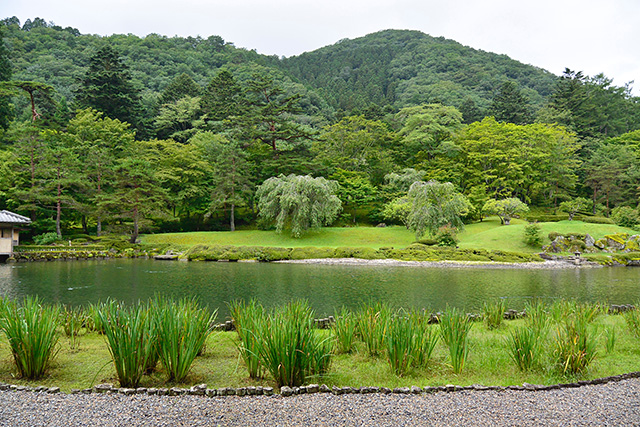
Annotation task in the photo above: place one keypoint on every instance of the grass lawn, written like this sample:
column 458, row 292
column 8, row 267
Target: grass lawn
column 488, row 234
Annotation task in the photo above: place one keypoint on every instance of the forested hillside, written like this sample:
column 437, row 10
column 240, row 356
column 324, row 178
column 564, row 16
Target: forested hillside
column 127, row 134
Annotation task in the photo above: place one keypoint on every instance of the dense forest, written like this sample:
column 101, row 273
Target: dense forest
column 127, row 134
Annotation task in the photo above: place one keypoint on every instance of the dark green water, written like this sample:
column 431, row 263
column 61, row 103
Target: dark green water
column 327, row 287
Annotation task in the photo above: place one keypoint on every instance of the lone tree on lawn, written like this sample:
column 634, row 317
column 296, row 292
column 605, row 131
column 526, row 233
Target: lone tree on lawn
column 506, row 208
column 298, row 202
column 572, row 207
column 435, row 205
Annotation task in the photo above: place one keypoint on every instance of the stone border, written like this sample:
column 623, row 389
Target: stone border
column 202, row 390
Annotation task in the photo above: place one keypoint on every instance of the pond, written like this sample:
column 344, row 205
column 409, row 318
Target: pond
column 326, row 287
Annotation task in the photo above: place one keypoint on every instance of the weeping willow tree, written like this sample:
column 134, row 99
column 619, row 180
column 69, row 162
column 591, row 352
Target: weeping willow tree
column 435, row 205
column 298, row 203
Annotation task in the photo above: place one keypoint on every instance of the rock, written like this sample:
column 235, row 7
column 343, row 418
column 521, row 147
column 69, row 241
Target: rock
column 127, row 391
column 336, row 390
column 251, row 391
column 241, row 391
column 163, row 391
column 53, row 390
column 267, row 391
column 141, row 390
column 210, row 392
column 286, row 391
column 313, row 388
column 589, row 241
column 325, row 389
column 402, row 390
column 102, row 388
column 86, row 391
column 415, row 390
column 152, row 391
column 385, row 390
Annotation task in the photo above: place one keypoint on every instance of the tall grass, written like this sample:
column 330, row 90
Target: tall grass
column 344, row 329
column 537, row 317
column 247, row 318
column 426, row 338
column 31, row 329
column 372, row 321
column 575, row 346
column 182, row 328
column 130, row 335
column 410, row 341
column 632, row 318
column 72, row 320
column 454, row 328
column 524, row 345
column 288, row 346
column 493, row 313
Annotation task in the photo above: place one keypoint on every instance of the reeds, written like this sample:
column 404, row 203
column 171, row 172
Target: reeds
column 288, row 346
column 247, row 318
column 31, row 329
column 494, row 313
column 454, row 328
column 410, row 341
column 632, row 318
column 130, row 334
column 344, row 329
column 182, row 328
column 72, row 319
column 575, row 346
column 372, row 322
column 524, row 346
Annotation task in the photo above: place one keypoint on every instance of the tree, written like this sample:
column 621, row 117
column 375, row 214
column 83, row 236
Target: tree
column 509, row 105
column 356, row 144
column 107, row 87
column 5, row 76
column 435, row 205
column 222, row 101
column 402, row 182
column 179, row 119
column 573, row 206
column 354, row 189
column 231, row 184
column 31, row 89
column 181, row 86
column 506, row 208
column 299, row 203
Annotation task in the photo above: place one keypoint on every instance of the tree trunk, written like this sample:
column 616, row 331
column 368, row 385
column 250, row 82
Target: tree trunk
column 134, row 235
column 85, row 228
column 59, row 208
column 99, row 227
column 232, row 224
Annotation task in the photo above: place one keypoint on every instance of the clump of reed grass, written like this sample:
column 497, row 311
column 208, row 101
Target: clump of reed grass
column 344, row 329
column 524, row 346
column 632, row 318
column 72, row 319
column 610, row 339
column 493, row 313
column 182, row 328
column 372, row 321
column 575, row 346
column 288, row 346
column 410, row 341
column 130, row 336
column 92, row 318
column 537, row 317
column 247, row 318
column 426, row 338
column 30, row 328
column 454, row 328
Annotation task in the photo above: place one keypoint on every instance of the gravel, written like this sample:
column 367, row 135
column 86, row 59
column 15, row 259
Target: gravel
column 612, row 404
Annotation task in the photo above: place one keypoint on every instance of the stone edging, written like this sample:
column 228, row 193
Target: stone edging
column 202, row 390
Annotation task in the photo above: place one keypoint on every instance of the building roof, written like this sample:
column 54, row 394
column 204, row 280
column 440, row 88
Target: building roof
column 7, row 217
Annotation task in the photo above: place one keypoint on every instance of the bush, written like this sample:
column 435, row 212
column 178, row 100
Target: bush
column 30, row 329
column 532, row 235
column 625, row 216
column 447, row 236
column 46, row 238
column 595, row 219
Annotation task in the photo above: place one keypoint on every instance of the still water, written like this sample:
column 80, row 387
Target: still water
column 326, row 287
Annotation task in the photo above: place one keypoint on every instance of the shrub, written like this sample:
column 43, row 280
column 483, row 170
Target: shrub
column 625, row 216
column 130, row 337
column 182, row 328
column 455, row 327
column 446, row 236
column 532, row 235
column 46, row 238
column 30, row 328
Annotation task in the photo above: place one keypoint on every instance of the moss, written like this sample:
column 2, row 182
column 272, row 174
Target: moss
column 618, row 237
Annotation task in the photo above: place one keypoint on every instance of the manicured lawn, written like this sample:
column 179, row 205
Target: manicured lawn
column 333, row 237
column 488, row 234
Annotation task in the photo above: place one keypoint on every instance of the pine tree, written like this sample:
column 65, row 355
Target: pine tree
column 5, row 75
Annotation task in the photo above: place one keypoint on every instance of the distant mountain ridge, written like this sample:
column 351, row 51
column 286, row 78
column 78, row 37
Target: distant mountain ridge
column 391, row 67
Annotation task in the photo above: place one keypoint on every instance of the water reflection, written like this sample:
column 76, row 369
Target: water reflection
column 326, row 287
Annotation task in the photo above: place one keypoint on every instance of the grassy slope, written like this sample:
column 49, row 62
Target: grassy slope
column 488, row 234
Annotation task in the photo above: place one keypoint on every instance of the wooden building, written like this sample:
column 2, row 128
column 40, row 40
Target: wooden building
column 9, row 223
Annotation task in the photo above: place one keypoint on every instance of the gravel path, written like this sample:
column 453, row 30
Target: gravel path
column 612, row 404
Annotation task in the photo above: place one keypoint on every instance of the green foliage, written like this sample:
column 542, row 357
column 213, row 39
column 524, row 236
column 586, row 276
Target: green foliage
column 373, row 322
column 632, row 318
column 454, row 328
column 625, row 216
column 506, row 208
column 46, row 238
column 524, row 344
column 247, row 318
column 446, row 236
column 131, row 337
column 72, row 320
column 574, row 206
column 494, row 313
column 298, row 203
column 575, row 346
column 182, row 327
column 344, row 330
column 435, row 205
column 510, row 105
column 31, row 330
column 532, row 234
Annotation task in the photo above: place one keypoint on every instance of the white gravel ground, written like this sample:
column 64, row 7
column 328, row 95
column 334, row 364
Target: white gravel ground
column 612, row 404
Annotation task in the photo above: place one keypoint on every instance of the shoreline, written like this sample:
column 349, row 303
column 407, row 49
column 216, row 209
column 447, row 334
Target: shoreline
column 547, row 264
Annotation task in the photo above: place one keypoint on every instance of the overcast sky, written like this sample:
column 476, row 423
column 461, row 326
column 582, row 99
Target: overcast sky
column 585, row 35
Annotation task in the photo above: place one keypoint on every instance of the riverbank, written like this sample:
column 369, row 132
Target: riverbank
column 572, row 262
